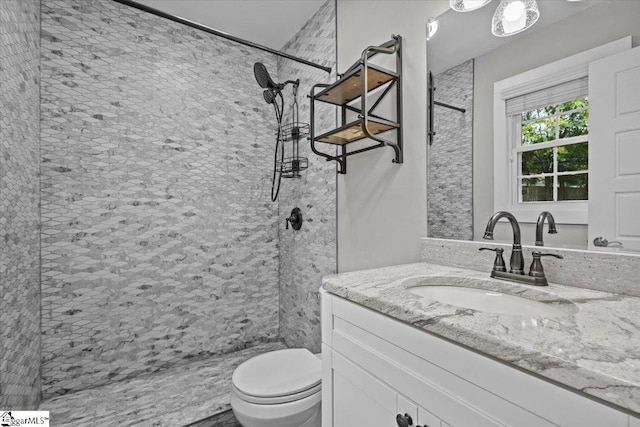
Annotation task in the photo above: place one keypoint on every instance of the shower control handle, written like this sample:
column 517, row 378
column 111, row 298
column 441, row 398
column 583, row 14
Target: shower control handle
column 295, row 219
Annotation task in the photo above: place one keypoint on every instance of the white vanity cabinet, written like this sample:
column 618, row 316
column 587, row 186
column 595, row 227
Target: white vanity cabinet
column 376, row 367
column 361, row 399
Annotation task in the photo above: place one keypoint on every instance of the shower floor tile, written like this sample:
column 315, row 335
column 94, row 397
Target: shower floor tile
column 173, row 397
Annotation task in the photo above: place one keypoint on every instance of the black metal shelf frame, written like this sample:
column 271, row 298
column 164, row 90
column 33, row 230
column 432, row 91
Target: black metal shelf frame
column 368, row 124
column 197, row 26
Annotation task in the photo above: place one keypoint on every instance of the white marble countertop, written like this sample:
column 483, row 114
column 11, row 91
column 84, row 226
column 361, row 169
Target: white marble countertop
column 594, row 349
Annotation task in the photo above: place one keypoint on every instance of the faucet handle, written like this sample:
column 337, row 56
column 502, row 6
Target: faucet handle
column 536, row 269
column 498, row 264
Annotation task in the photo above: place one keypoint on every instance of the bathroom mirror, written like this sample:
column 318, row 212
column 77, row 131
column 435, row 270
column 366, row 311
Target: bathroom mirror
column 466, row 60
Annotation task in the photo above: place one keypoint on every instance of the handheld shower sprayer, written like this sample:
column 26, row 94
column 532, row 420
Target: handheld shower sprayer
column 269, row 96
column 272, row 94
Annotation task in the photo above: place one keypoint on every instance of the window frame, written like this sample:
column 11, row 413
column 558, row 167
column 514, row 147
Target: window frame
column 505, row 185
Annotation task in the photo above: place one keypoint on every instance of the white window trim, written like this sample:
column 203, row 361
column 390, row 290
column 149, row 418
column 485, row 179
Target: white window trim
column 505, row 190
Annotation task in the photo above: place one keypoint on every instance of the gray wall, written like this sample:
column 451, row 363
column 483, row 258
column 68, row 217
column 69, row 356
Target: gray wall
column 381, row 205
column 19, row 201
column 595, row 26
column 310, row 253
column 159, row 239
column 450, row 157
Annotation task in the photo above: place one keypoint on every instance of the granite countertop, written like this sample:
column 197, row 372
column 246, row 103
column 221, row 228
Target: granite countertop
column 594, row 349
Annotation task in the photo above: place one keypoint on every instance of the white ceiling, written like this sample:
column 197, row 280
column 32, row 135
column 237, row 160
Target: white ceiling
column 462, row 36
column 270, row 23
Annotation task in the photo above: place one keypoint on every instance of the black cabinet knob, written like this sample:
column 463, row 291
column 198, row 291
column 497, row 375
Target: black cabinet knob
column 404, row 420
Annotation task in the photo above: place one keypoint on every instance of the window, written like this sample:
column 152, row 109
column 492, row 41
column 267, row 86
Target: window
column 541, row 138
column 552, row 152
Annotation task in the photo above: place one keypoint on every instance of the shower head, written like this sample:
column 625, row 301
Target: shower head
column 269, row 96
column 263, row 78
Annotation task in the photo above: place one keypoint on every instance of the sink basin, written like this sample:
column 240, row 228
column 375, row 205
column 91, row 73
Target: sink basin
column 481, row 295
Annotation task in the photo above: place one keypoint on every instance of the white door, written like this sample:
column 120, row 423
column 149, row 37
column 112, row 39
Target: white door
column 614, row 149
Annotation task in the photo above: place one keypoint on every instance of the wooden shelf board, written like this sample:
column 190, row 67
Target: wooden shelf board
column 348, row 88
column 352, row 132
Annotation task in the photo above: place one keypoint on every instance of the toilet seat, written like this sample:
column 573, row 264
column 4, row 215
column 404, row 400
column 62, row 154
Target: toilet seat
column 277, row 399
column 279, row 376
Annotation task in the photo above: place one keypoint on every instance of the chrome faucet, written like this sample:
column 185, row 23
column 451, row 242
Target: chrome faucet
column 540, row 225
column 516, row 262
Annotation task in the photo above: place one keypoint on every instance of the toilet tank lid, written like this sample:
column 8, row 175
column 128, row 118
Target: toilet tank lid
column 278, row 373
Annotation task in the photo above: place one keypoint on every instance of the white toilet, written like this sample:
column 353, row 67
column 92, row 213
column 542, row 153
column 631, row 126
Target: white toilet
column 278, row 389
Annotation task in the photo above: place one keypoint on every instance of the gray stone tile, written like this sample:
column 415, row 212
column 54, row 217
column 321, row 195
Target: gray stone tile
column 159, row 241
column 310, row 253
column 225, row 419
column 175, row 397
column 19, row 201
column 160, row 246
column 450, row 157
column 600, row 271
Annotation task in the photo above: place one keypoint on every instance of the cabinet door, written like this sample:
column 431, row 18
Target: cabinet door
column 427, row 419
column 407, row 407
column 359, row 399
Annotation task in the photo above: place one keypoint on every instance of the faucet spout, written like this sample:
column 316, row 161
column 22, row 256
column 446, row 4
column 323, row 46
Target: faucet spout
column 516, row 262
column 540, row 225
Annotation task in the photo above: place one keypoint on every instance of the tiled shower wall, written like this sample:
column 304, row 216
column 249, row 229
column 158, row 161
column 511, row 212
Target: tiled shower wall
column 19, row 200
column 450, row 157
column 159, row 237
column 310, row 253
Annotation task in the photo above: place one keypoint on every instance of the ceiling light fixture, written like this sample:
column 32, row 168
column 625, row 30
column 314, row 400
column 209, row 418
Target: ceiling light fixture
column 514, row 16
column 467, row 5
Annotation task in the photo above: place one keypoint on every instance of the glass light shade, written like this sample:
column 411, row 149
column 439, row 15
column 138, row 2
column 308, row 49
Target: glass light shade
column 467, row 5
column 432, row 28
column 514, row 16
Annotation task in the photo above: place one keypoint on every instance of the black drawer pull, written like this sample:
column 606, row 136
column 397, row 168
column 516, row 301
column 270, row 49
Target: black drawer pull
column 404, row 420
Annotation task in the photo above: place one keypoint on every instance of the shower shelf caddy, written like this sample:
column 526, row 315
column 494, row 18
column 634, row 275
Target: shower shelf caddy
column 353, row 86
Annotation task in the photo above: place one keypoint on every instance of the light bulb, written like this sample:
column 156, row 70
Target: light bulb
column 514, row 16
column 514, row 11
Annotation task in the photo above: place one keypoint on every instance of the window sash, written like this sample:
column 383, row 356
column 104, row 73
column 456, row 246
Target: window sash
column 552, row 144
column 517, row 149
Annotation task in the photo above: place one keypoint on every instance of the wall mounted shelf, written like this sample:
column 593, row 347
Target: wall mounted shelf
column 353, row 86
